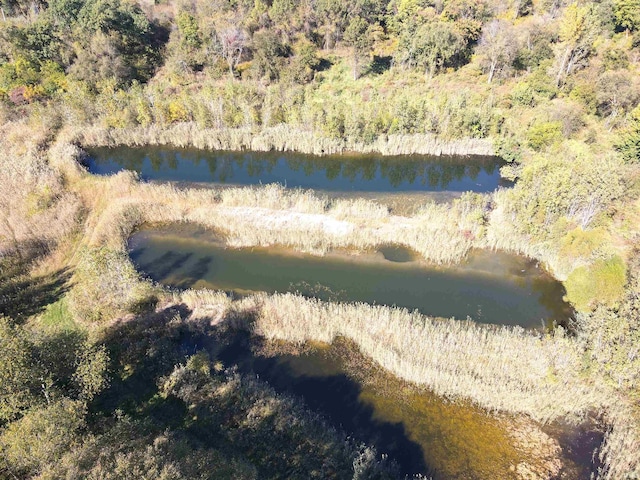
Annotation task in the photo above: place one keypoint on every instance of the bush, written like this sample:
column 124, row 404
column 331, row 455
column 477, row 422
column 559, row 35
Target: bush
column 628, row 143
column 543, row 134
column 107, row 286
column 602, row 282
column 42, row 436
column 523, row 94
column 579, row 243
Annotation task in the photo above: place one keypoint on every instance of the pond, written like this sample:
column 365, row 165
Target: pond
column 425, row 434
column 489, row 287
column 332, row 173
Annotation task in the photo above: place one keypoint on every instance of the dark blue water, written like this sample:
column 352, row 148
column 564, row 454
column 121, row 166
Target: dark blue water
column 338, row 173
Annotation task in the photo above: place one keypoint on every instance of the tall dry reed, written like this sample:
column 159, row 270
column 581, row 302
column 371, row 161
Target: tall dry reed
column 280, row 138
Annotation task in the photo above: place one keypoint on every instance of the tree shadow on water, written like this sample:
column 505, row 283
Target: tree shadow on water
column 164, row 265
column 196, row 272
column 145, row 350
column 335, row 397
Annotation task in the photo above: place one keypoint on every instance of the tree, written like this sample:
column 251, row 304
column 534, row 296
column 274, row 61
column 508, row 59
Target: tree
column 268, row 54
column 189, row 31
column 64, row 12
column 497, row 46
column 131, row 34
column 233, row 42
column 627, row 14
column 100, row 61
column 43, row 435
column 22, row 386
column 305, row 61
column 334, row 17
column 357, row 36
column 616, row 93
column 522, row 8
column 468, row 16
column 433, row 46
column 578, row 31
column 26, row 8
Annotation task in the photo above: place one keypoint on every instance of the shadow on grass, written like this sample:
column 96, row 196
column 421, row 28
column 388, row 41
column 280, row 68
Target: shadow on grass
column 23, row 295
column 146, row 349
column 379, row 65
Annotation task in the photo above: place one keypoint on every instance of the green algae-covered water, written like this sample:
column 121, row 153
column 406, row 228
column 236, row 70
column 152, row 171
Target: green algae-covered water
column 487, row 287
column 332, row 173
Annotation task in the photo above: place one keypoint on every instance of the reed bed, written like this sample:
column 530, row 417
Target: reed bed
column 620, row 451
column 280, row 138
column 273, row 215
column 500, row 368
column 35, row 208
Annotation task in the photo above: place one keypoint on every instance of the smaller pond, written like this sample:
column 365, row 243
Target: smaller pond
column 488, row 287
column 332, row 173
column 424, row 433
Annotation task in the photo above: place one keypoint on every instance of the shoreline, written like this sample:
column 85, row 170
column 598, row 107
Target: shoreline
column 278, row 138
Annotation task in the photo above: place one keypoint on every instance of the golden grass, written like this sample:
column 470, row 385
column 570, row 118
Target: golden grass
column 503, row 369
column 34, row 205
column 273, row 215
column 281, row 138
column 500, row 368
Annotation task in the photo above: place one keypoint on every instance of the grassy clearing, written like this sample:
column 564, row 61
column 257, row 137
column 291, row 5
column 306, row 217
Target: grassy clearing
column 58, row 316
column 603, row 282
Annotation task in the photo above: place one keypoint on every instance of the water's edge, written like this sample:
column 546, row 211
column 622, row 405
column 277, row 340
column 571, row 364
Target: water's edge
column 490, row 287
column 277, row 138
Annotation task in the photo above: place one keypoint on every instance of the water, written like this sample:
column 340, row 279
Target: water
column 488, row 287
column 333, row 173
column 422, row 432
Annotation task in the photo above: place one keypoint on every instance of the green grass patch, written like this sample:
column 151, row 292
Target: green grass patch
column 57, row 316
column 579, row 243
column 602, row 282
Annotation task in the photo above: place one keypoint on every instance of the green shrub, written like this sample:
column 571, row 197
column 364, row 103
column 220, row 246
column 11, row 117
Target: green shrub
column 42, row 436
column 107, row 285
column 600, row 283
column 585, row 93
column 523, row 94
column 579, row 243
column 628, row 143
column 543, row 134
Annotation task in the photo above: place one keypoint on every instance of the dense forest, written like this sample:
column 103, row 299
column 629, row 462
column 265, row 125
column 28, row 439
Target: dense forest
column 99, row 376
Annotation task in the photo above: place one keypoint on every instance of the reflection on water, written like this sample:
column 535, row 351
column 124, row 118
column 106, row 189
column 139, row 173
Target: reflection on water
column 422, row 432
column 488, row 287
column 367, row 173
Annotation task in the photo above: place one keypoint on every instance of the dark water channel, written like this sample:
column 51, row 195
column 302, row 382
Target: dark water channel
column 423, row 433
column 488, row 287
column 333, row 173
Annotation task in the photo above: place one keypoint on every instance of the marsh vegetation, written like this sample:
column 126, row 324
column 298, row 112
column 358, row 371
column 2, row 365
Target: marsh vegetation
column 124, row 375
